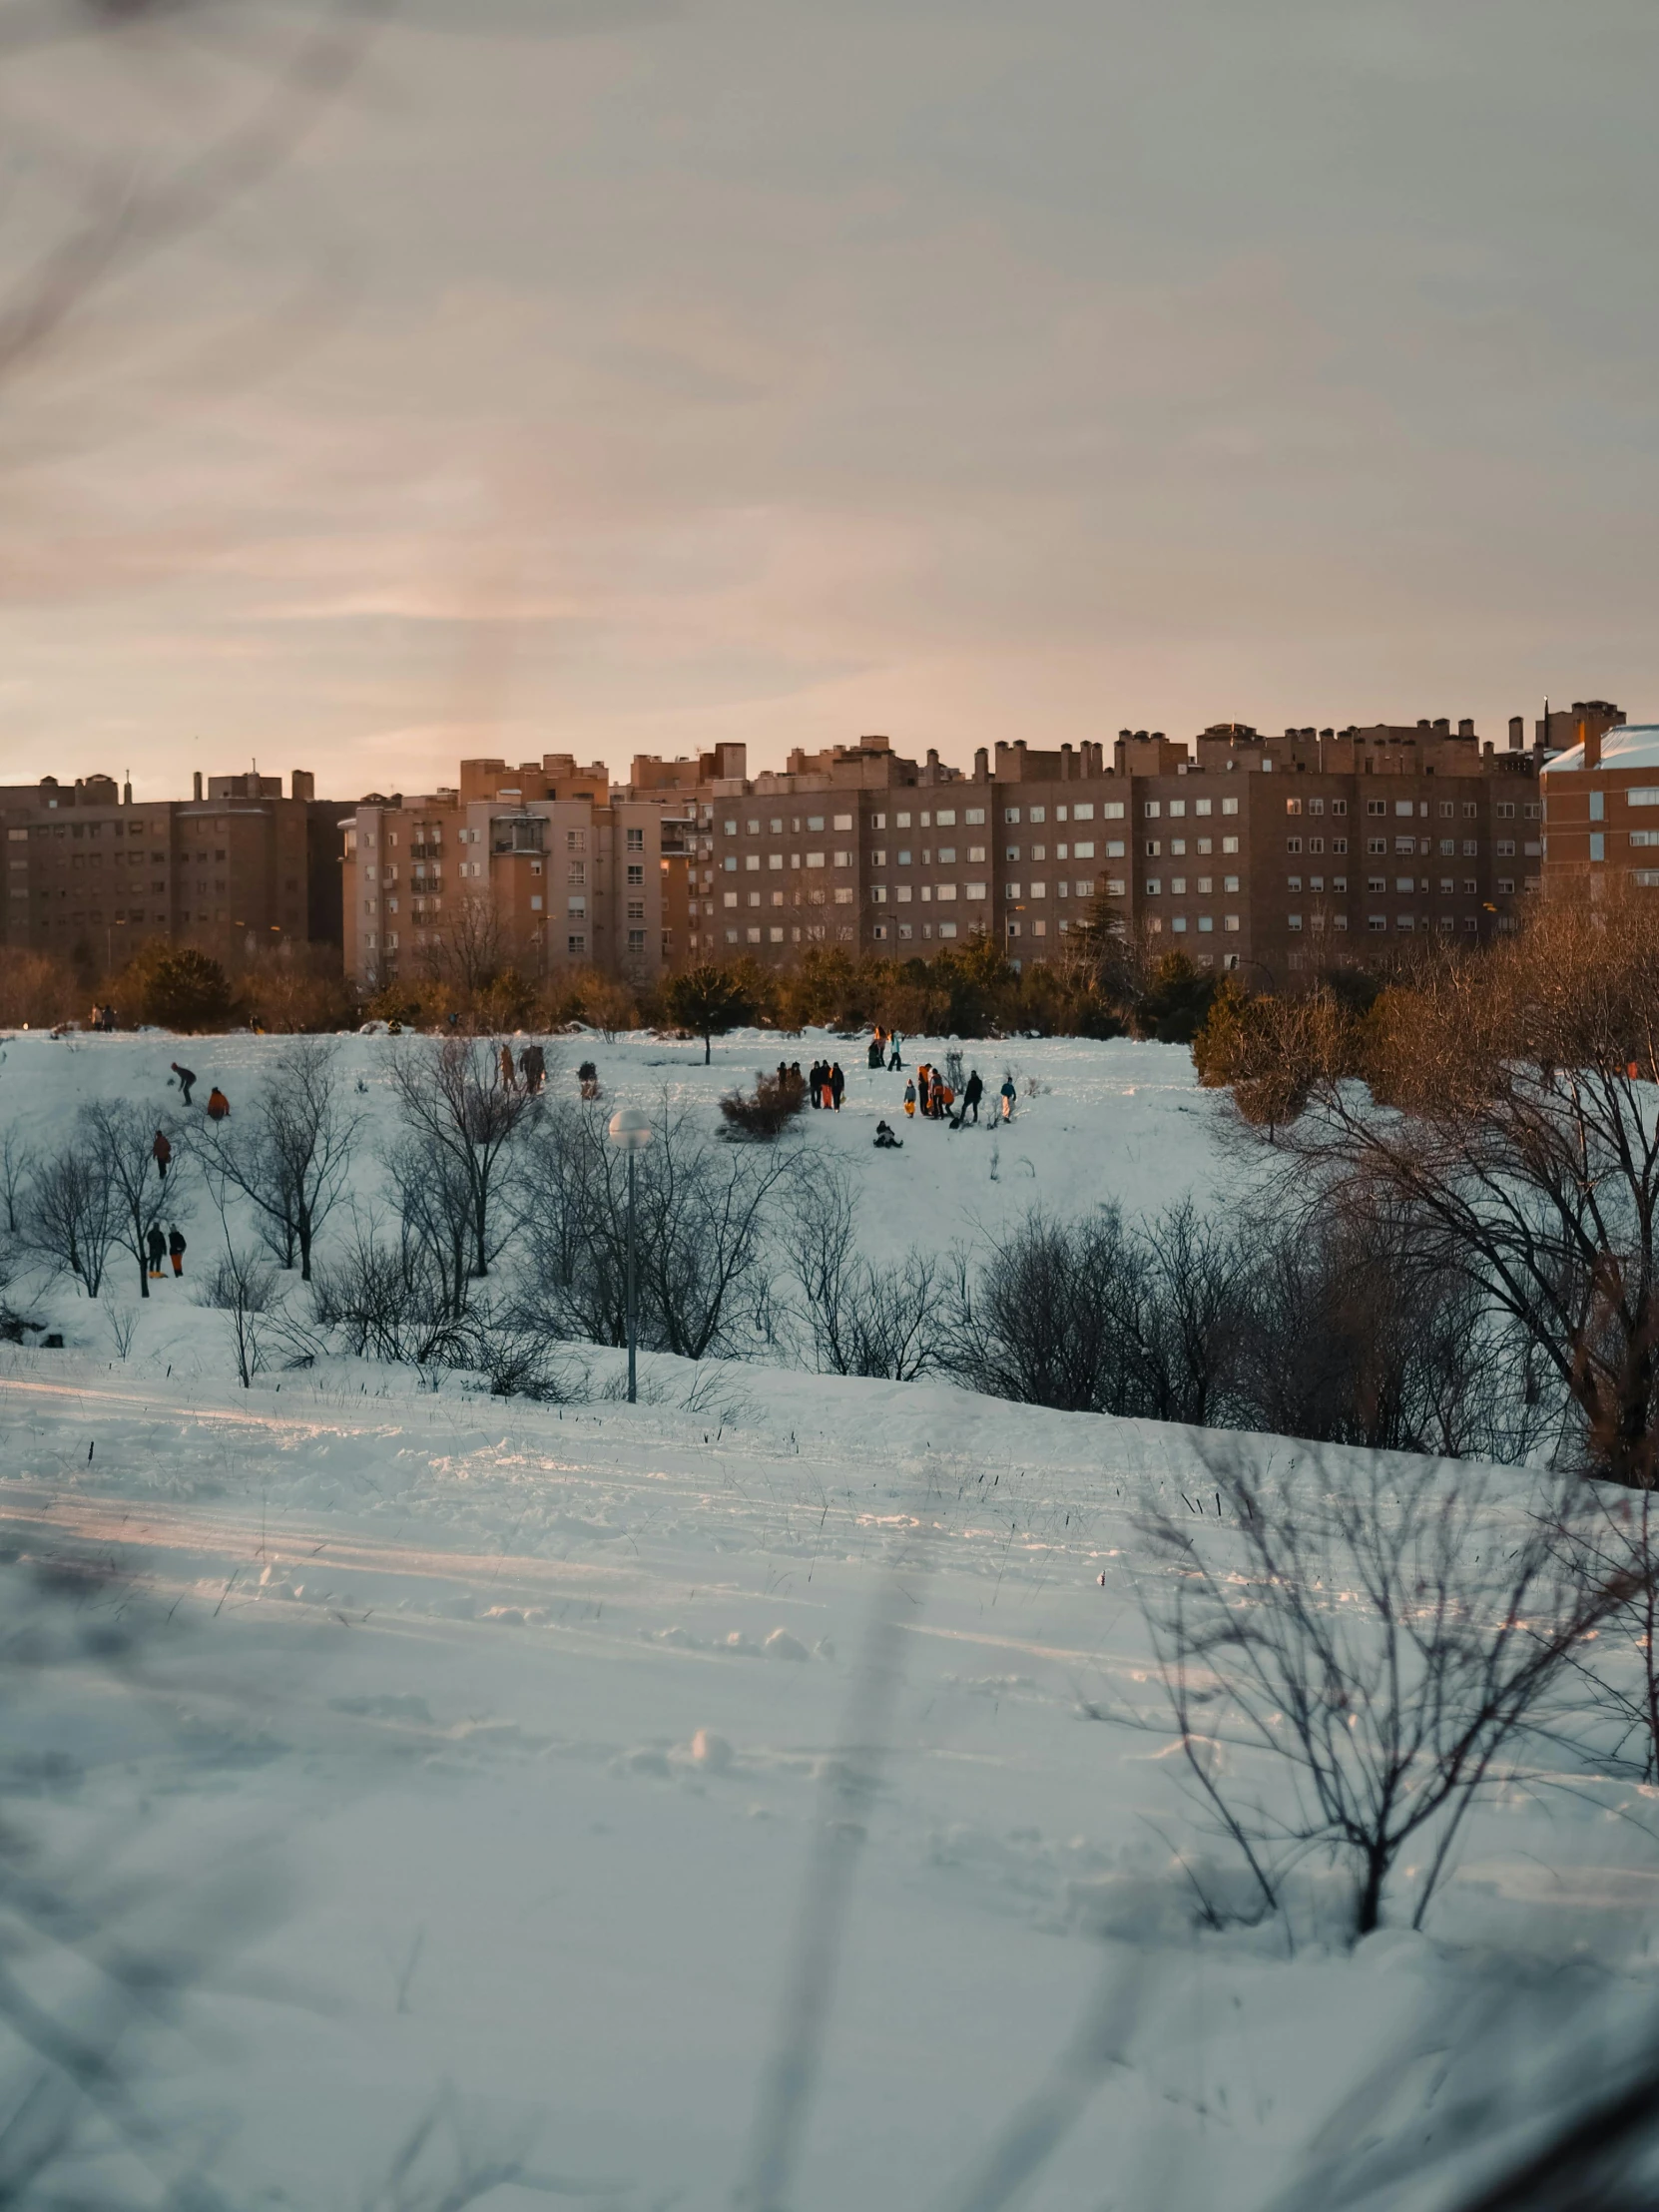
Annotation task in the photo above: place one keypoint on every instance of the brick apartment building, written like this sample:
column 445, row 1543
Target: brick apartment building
column 558, row 868
column 90, row 875
column 1601, row 805
column 1277, row 855
column 1360, row 834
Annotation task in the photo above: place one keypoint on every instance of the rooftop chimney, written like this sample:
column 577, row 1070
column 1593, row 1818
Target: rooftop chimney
column 1465, row 728
column 303, row 783
column 198, row 786
column 981, row 766
column 1518, row 729
column 1590, row 738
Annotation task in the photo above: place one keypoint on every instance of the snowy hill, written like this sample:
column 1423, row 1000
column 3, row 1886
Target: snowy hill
column 546, row 1731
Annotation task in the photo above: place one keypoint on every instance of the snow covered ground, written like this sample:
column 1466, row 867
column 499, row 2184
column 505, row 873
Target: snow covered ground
column 534, row 1723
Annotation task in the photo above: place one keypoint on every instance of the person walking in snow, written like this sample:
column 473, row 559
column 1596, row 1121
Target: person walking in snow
column 219, row 1106
column 894, row 1063
column 186, row 1076
column 972, row 1092
column 910, row 1100
column 1008, row 1094
column 176, row 1246
column 161, row 1152
column 509, row 1081
column 874, row 1054
column 814, row 1084
column 837, row 1084
column 156, row 1244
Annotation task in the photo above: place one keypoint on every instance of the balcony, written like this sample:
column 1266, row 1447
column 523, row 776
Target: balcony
column 517, row 833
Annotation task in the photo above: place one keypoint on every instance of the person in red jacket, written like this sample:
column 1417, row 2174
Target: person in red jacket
column 161, row 1152
column 219, row 1106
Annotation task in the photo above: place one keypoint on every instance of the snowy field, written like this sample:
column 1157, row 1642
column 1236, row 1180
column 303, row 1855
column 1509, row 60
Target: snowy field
column 545, row 1734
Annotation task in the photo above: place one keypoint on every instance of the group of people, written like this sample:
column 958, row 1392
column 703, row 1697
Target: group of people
column 219, row 1106
column 103, row 1018
column 825, row 1084
column 531, row 1071
column 884, row 1049
column 160, row 1247
column 929, row 1092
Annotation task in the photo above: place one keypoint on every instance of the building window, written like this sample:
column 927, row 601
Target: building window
column 1376, row 922
column 1598, row 844
column 1293, row 921
column 636, row 840
column 576, row 945
column 1229, row 921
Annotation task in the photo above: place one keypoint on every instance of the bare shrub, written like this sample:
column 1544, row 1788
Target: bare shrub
column 1043, row 1317
column 1359, row 1335
column 1378, row 1646
column 857, row 1318
column 388, row 1298
column 121, row 1321
column 290, row 1158
column 246, row 1290
column 701, row 1221
column 16, row 1167
column 767, row 1111
column 1612, row 1541
column 1187, row 1317
column 72, row 1214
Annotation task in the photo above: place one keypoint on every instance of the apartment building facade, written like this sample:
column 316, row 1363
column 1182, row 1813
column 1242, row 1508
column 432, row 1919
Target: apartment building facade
column 1279, row 854
column 1601, row 810
column 544, row 863
column 91, row 873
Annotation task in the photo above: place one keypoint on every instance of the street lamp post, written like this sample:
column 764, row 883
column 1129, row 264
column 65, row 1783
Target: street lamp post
column 632, row 1131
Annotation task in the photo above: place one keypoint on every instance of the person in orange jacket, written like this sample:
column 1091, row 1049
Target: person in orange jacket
column 910, row 1100
column 219, row 1106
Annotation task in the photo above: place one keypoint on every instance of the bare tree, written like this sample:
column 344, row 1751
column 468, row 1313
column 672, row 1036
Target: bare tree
column 702, row 1211
column 859, row 1319
column 1506, row 1112
column 118, row 1137
column 72, row 1214
column 1383, row 1641
column 291, row 1157
column 16, row 1166
column 436, row 1206
column 246, row 1290
column 468, row 1119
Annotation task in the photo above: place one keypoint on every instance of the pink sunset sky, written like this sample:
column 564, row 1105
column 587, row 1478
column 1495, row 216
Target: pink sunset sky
column 618, row 378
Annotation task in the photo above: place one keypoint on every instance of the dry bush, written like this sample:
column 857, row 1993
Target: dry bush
column 853, row 1317
column 1352, row 1659
column 36, row 991
column 298, row 988
column 1507, row 1116
column 767, row 1110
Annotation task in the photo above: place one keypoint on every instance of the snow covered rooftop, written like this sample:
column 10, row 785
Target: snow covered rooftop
column 1632, row 745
